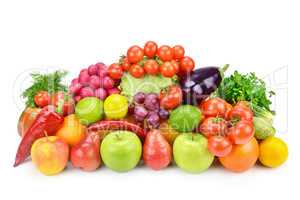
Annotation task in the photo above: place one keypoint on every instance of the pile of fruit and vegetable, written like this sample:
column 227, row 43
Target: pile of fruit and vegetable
column 150, row 107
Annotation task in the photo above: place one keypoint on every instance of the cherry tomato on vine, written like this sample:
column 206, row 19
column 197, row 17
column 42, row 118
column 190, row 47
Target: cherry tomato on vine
column 214, row 107
column 151, row 67
column 175, row 65
column 115, row 71
column 136, row 71
column 167, row 69
column 240, row 112
column 241, row 133
column 42, row 99
column 219, row 146
column 213, row 126
column 125, row 64
column 165, row 53
column 187, row 64
column 178, row 52
column 150, row 49
column 135, row 54
column 171, row 98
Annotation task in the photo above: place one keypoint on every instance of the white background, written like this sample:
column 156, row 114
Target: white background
column 260, row 36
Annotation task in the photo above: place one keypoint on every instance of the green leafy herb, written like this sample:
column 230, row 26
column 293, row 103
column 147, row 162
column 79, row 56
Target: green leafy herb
column 246, row 87
column 44, row 82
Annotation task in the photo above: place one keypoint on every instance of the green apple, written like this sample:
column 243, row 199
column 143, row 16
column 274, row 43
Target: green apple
column 89, row 110
column 115, row 106
column 121, row 150
column 191, row 153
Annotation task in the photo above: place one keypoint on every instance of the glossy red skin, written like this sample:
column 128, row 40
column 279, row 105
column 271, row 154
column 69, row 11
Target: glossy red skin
column 241, row 112
column 67, row 107
column 42, row 99
column 178, row 52
column 115, row 71
column 150, row 49
column 135, row 54
column 187, row 65
column 65, row 104
column 219, row 146
column 156, row 151
column 136, row 71
column 151, row 67
column 212, row 126
column 175, row 65
column 165, row 53
column 167, row 69
column 57, row 97
column 242, row 132
column 125, row 64
column 171, row 98
column 26, row 119
column 46, row 122
column 214, row 107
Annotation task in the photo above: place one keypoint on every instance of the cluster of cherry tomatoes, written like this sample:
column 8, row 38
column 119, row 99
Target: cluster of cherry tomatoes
column 152, row 60
column 225, row 126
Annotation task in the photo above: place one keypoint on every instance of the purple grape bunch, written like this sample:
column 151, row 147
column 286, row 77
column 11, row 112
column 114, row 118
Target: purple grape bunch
column 146, row 110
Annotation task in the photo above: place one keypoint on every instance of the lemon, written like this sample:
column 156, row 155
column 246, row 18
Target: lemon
column 115, row 106
column 273, row 152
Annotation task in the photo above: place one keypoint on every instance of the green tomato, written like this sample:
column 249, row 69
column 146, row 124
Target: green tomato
column 115, row 106
column 185, row 118
column 121, row 150
column 89, row 110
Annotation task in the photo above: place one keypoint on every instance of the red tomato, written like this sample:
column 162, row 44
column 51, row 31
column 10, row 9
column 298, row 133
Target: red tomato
column 175, row 65
column 242, row 157
column 167, row 69
column 136, row 71
column 242, row 132
column 240, row 112
column 151, row 67
column 213, row 126
column 125, row 64
column 150, row 49
column 135, row 54
column 42, row 99
column 178, row 52
column 171, row 98
column 214, row 107
column 64, row 103
column 165, row 53
column 115, row 71
column 219, row 146
column 187, row 64
column 57, row 97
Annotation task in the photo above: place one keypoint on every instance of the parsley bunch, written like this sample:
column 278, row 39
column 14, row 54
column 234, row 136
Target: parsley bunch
column 44, row 82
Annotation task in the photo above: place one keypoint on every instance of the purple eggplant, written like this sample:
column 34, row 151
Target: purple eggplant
column 198, row 85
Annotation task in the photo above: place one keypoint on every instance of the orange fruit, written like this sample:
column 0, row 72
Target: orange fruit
column 72, row 131
column 242, row 157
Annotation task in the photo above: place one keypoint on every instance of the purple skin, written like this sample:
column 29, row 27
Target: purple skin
column 140, row 111
column 163, row 114
column 152, row 101
column 139, row 98
column 153, row 120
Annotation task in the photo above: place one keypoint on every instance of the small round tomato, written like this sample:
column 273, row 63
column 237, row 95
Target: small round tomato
column 240, row 112
column 115, row 71
column 165, row 53
column 219, row 146
column 213, row 126
column 242, row 132
column 135, row 54
column 171, row 98
column 150, row 49
column 167, row 69
column 151, row 67
column 42, row 99
column 57, row 98
column 187, row 64
column 175, row 65
column 136, row 71
column 125, row 64
column 178, row 52
column 214, row 107
column 242, row 157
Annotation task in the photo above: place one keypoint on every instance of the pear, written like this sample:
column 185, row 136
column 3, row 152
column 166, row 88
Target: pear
column 157, row 152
